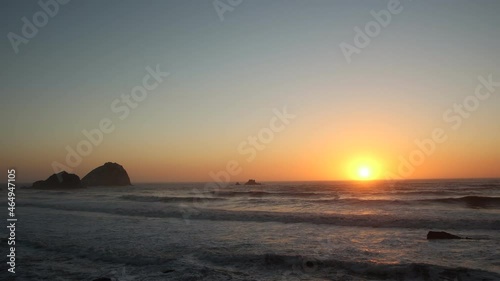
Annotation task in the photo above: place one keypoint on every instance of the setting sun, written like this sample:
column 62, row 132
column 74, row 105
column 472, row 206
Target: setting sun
column 364, row 168
column 364, row 173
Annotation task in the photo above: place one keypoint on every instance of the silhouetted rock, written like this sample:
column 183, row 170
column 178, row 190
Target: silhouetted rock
column 441, row 235
column 252, row 182
column 60, row 180
column 109, row 174
column 238, row 183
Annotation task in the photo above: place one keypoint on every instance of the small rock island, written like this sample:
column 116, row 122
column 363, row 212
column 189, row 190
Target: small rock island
column 252, row 182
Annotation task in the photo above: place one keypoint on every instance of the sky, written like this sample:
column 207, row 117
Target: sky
column 273, row 72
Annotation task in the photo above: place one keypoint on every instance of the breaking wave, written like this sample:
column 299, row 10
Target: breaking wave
column 363, row 220
column 167, row 199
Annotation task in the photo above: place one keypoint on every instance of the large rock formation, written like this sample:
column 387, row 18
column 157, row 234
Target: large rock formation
column 109, row 174
column 60, row 180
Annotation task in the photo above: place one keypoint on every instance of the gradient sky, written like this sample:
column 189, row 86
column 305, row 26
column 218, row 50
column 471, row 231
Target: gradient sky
column 226, row 77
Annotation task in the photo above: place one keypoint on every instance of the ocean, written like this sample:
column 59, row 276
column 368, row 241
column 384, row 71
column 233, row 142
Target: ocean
column 276, row 231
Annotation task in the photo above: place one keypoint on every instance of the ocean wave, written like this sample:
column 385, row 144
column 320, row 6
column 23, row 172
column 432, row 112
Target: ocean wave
column 167, row 199
column 266, row 264
column 469, row 201
column 487, row 185
column 308, row 267
column 434, row 192
column 366, row 220
column 355, row 201
column 413, row 197
column 244, row 194
column 104, row 253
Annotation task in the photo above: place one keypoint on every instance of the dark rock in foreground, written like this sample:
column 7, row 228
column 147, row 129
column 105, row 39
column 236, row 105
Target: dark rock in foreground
column 441, row 235
column 60, row 180
column 109, row 174
column 252, row 182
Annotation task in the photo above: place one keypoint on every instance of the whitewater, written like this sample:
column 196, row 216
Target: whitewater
column 277, row 231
